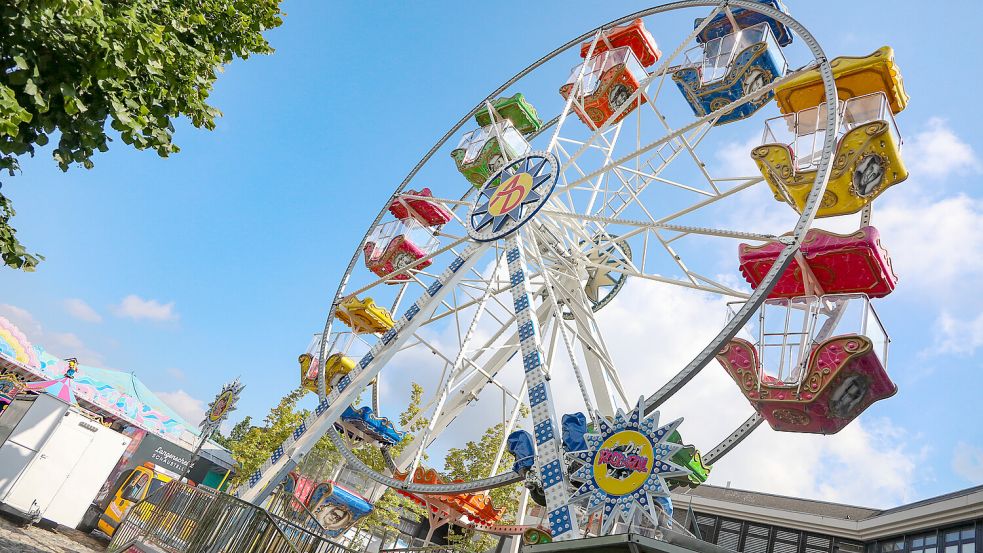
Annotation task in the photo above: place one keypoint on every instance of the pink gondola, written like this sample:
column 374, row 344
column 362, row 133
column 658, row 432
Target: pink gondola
column 398, row 245
column 844, row 376
column 425, row 211
column 841, row 263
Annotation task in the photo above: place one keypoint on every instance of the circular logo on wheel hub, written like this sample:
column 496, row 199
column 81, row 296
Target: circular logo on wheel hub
column 623, row 462
column 512, row 196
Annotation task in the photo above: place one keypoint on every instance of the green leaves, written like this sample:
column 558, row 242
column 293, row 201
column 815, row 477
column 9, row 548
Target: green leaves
column 12, row 252
column 77, row 65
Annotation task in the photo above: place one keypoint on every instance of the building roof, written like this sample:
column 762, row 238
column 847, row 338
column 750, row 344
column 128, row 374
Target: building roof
column 837, row 519
column 783, row 502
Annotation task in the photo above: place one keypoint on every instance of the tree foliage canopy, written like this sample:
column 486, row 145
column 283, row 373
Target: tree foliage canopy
column 69, row 67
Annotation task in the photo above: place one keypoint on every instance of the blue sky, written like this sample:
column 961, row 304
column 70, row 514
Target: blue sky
column 221, row 261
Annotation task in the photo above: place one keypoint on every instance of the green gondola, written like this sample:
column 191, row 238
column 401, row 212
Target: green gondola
column 479, row 155
column 690, row 458
column 516, row 109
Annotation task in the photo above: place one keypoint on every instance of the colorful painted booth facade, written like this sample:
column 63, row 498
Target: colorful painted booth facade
column 10, row 387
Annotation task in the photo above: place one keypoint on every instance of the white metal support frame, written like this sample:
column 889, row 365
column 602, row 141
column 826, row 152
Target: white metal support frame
column 262, row 482
column 563, row 521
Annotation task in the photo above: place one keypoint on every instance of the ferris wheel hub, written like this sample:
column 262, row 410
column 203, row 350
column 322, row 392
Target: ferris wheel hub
column 512, row 196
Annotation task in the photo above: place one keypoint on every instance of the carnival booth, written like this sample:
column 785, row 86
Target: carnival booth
column 160, row 441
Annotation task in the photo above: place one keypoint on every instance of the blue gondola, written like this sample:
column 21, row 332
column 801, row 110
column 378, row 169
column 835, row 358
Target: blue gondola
column 573, row 426
column 726, row 68
column 365, row 421
column 337, row 508
column 721, row 25
column 521, row 447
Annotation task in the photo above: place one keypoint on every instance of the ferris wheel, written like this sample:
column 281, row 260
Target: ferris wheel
column 591, row 173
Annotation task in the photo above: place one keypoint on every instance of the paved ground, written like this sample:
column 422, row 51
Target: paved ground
column 33, row 539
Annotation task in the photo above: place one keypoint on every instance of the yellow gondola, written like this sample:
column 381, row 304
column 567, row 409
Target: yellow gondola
column 855, row 76
column 308, row 377
column 364, row 316
column 337, row 365
column 867, row 159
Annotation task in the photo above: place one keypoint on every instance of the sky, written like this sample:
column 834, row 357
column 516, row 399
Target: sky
column 222, row 260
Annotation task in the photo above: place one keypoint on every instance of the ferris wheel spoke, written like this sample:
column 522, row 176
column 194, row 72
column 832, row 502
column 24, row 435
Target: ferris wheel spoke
column 647, row 178
column 686, row 128
column 641, row 226
column 453, row 368
column 602, row 399
column 643, row 85
column 471, row 383
column 653, row 177
column 701, row 167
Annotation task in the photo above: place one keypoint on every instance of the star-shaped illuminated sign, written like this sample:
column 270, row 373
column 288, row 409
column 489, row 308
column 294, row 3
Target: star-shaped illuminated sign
column 512, row 196
column 625, row 466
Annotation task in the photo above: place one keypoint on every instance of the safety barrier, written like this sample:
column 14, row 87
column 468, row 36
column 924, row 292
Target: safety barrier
column 183, row 519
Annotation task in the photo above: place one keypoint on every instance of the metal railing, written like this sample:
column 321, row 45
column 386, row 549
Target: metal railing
column 427, row 549
column 182, row 519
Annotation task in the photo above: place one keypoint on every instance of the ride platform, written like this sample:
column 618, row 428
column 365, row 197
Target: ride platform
column 629, row 543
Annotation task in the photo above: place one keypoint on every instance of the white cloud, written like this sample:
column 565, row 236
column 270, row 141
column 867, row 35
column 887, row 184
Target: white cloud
column 68, row 344
column 967, row 461
column 82, row 311
column 936, row 245
column 137, row 308
column 60, row 344
column 957, row 336
column 22, row 319
column 937, row 152
column 735, row 158
column 190, row 408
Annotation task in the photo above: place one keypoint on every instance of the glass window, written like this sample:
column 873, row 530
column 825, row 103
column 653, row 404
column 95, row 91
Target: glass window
column 925, row 543
column 892, row 546
column 960, row 540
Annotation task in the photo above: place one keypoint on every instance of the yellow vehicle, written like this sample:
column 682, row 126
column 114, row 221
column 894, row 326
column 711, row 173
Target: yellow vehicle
column 133, row 487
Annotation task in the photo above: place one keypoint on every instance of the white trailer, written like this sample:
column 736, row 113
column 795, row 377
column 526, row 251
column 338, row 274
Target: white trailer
column 53, row 459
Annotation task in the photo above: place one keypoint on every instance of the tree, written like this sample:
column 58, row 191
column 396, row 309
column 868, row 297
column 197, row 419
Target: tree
column 475, row 461
column 251, row 446
column 238, row 433
column 69, row 67
column 255, row 445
